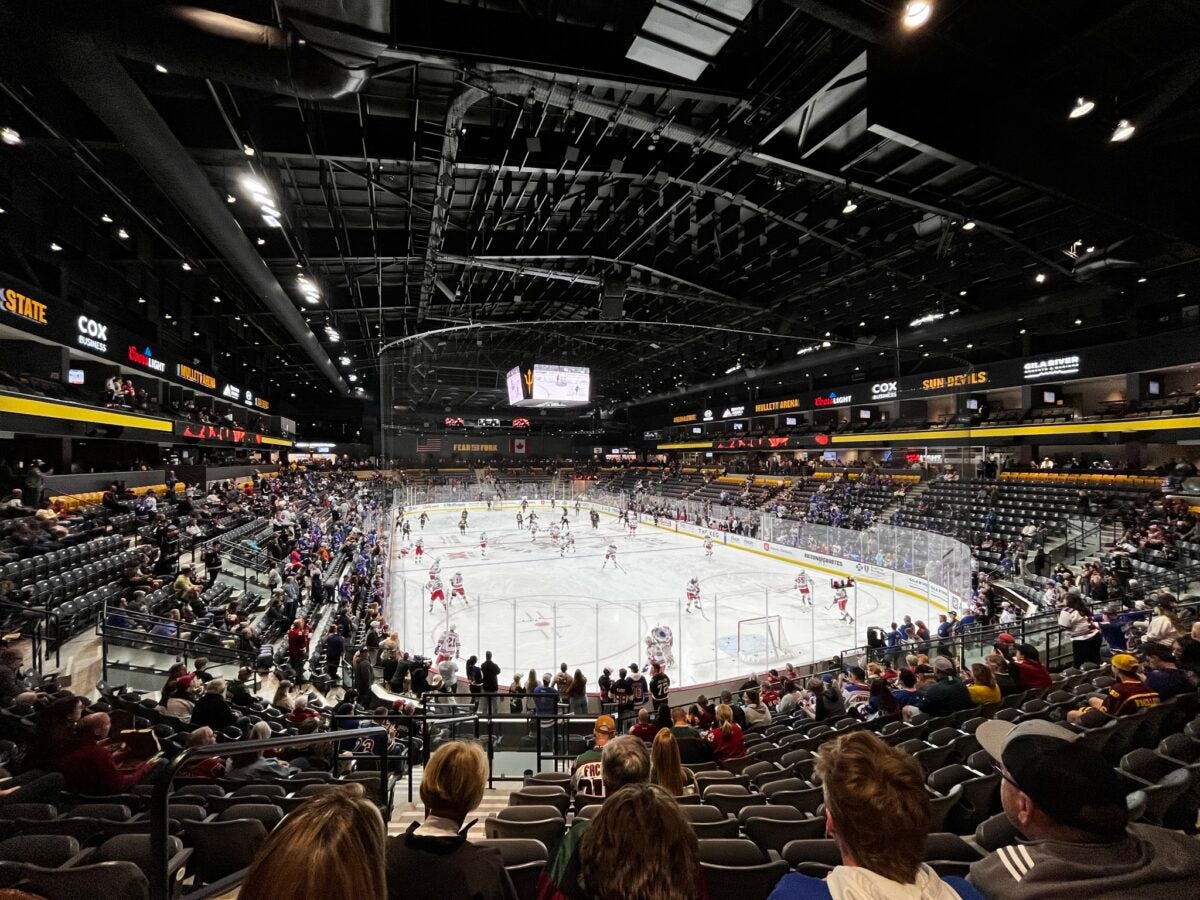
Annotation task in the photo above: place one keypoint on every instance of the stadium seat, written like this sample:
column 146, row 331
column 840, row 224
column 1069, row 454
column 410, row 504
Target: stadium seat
column 110, row 880
column 524, row 861
column 222, row 848
column 775, row 834
column 47, row 850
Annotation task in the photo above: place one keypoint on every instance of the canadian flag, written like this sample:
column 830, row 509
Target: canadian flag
column 518, row 446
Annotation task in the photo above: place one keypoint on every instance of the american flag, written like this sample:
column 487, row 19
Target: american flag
column 429, row 445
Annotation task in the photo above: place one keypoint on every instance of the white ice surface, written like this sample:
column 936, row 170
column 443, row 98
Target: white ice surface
column 534, row 609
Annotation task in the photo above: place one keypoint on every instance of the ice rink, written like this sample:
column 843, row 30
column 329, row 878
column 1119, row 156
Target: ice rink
column 534, row 608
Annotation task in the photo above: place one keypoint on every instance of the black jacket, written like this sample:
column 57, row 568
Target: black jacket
column 444, row 868
column 214, row 711
column 491, row 675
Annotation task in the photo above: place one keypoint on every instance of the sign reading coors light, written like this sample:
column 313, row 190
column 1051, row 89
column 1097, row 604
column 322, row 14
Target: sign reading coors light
column 832, row 399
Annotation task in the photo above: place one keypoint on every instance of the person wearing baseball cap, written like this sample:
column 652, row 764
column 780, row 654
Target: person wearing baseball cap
column 1070, row 807
column 585, row 771
column 1126, row 695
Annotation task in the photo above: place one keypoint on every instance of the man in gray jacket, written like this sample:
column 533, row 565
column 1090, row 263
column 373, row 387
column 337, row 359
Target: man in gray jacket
column 1069, row 805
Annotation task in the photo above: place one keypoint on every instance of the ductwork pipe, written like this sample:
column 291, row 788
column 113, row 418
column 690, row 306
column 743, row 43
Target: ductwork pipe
column 191, row 40
column 103, row 84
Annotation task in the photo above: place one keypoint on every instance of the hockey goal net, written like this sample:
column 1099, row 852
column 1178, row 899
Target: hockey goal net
column 761, row 640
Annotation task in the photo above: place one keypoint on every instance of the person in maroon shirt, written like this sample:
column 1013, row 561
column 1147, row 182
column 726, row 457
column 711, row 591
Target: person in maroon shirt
column 644, row 729
column 91, row 768
column 726, row 736
column 1028, row 669
column 297, row 640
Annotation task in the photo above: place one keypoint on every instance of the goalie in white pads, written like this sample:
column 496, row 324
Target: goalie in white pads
column 693, row 593
column 660, row 644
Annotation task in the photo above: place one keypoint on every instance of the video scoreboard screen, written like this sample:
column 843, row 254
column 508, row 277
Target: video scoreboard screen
column 548, row 386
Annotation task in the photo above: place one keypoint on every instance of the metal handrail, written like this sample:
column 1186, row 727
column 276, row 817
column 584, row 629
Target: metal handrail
column 160, row 881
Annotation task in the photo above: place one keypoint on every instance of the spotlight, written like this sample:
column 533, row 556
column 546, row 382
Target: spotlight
column 55, row 247
column 1082, row 107
column 916, row 13
column 1123, row 132
column 850, row 206
column 186, row 266
column 247, row 149
column 826, row 344
column 1079, row 321
column 123, row 234
column 1142, row 280
column 10, row 136
column 216, row 299
column 106, row 219
column 260, row 241
column 229, row 198
column 1040, row 277
column 160, row 68
column 968, row 225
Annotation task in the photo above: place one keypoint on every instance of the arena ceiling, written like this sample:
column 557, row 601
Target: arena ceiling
column 794, row 172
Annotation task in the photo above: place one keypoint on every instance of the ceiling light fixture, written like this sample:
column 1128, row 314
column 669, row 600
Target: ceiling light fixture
column 1142, row 280
column 106, row 219
column 1082, row 107
column 1079, row 321
column 55, row 247
column 10, row 136
column 1040, row 277
column 186, row 266
column 733, row 368
column 229, row 198
column 160, row 68
column 247, row 149
column 216, row 299
column 1123, row 132
column 260, row 241
column 850, row 206
column 926, row 319
column 916, row 13
column 123, row 234
column 969, row 225
column 141, row 299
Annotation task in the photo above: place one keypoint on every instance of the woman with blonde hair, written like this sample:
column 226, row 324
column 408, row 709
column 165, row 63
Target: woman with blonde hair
column 666, row 769
column 283, row 696
column 617, row 862
column 433, row 859
column 331, row 846
column 726, row 735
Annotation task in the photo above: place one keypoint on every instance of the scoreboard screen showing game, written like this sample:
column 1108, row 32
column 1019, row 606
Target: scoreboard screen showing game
column 566, row 384
column 545, row 386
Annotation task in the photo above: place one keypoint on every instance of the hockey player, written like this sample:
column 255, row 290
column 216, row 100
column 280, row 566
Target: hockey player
column 404, row 551
column 520, row 520
column 576, row 507
column 533, row 529
column 524, row 504
column 424, row 518
column 449, row 645
column 406, row 530
column 632, row 524
column 552, row 503
column 708, row 548
column 463, row 518
column 462, row 526
column 693, row 593
column 437, row 591
column 611, row 554
column 567, row 544
column 595, row 516
column 533, row 516
column 554, row 534
column 565, row 520
column 419, row 549
column 483, row 544
column 841, row 599
column 436, row 569
column 804, row 588
column 456, row 588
